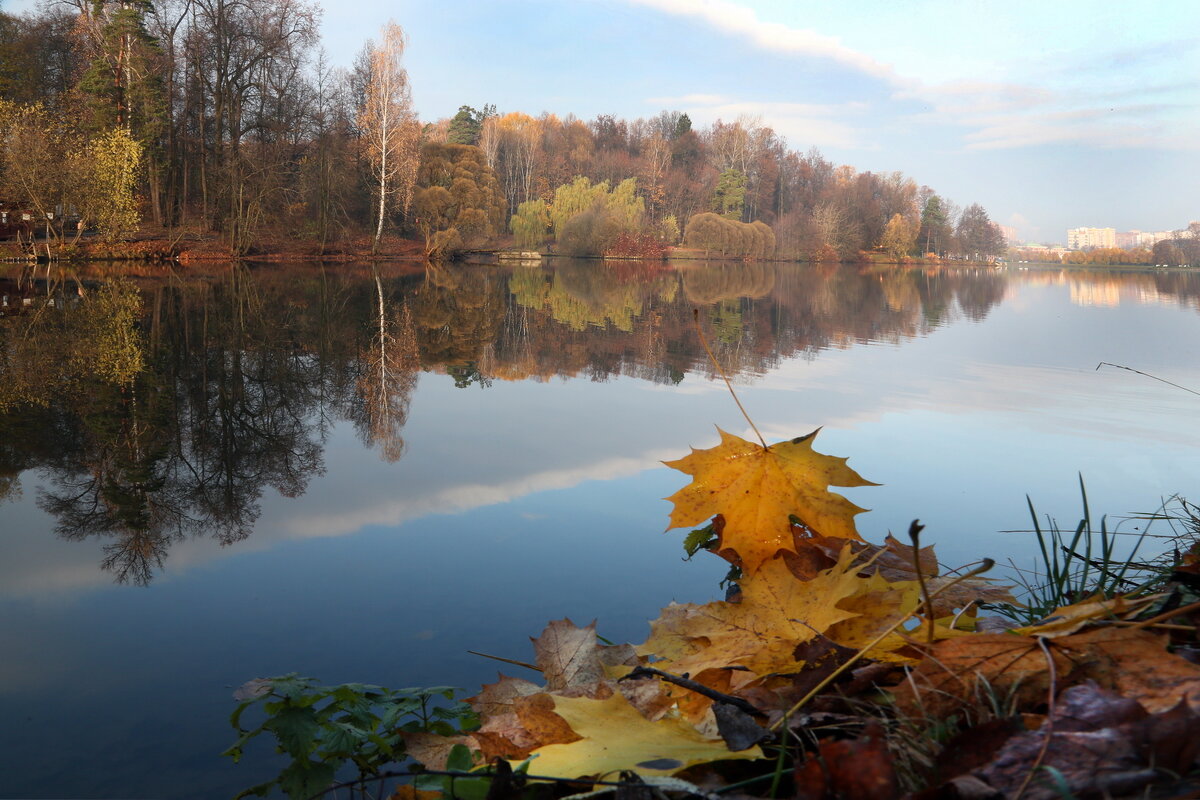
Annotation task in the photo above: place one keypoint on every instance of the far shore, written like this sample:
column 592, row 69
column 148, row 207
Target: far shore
column 189, row 249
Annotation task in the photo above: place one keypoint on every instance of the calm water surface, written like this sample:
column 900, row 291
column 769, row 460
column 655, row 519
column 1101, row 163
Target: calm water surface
column 295, row 486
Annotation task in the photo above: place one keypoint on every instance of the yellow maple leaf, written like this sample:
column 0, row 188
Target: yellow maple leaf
column 616, row 737
column 777, row 613
column 756, row 489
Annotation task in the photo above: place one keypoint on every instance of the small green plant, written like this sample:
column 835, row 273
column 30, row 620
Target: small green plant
column 1081, row 563
column 326, row 728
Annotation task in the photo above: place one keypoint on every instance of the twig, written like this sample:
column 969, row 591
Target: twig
column 409, row 773
column 1148, row 375
column 1049, row 726
column 724, row 377
column 914, row 533
column 524, row 664
column 693, row 686
column 1167, row 615
column 984, row 567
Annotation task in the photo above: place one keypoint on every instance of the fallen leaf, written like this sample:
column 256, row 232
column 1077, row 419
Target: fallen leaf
column 896, row 562
column 497, row 698
column 431, row 750
column 852, row 769
column 537, row 716
column 1066, row 620
column 1132, row 662
column 1091, row 749
column 957, row 671
column 616, row 737
column 568, row 655
column 1170, row 739
column 975, row 747
column 1136, row 664
column 757, row 490
column 775, row 614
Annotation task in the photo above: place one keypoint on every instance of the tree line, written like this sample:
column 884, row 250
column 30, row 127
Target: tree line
column 226, row 117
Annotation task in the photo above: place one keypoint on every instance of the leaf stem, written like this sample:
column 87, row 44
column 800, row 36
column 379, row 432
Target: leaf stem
column 724, row 377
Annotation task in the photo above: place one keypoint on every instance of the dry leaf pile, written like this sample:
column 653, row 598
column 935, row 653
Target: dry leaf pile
column 873, row 671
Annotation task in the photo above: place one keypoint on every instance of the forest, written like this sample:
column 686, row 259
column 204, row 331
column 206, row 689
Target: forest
column 184, row 119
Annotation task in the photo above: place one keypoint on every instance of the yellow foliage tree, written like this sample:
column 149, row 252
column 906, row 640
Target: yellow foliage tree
column 899, row 237
column 108, row 168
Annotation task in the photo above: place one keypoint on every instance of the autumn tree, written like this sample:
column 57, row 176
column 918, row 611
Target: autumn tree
column 39, row 60
column 389, row 126
column 458, row 202
column 1168, row 252
column 37, row 153
column 899, row 237
column 587, row 218
column 977, row 235
column 108, row 172
column 244, row 61
column 719, row 235
column 531, row 224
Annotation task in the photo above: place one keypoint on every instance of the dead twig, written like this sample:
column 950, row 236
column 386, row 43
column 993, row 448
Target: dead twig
column 524, row 664
column 693, row 686
column 1148, row 375
column 1048, row 728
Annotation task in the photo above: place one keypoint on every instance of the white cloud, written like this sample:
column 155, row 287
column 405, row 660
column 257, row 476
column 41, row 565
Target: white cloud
column 1039, row 110
column 777, row 37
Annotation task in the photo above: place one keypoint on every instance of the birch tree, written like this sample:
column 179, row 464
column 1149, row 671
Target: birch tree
column 389, row 126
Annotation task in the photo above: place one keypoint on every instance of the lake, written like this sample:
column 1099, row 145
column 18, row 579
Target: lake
column 361, row 476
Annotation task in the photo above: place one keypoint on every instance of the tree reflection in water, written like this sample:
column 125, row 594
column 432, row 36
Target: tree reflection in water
column 155, row 425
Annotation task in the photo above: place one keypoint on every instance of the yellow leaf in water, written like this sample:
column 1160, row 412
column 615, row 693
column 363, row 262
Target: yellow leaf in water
column 756, row 490
column 616, row 737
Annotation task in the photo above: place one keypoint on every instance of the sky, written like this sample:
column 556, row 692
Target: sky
column 1051, row 114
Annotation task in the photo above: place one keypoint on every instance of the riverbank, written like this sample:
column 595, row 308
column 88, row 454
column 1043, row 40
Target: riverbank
column 190, row 247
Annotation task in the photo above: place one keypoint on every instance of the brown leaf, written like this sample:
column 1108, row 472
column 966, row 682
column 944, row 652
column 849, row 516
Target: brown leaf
column 650, row 697
column 1091, row 763
column 567, row 655
column 975, row 747
column 1171, row 739
column 497, row 698
column 537, row 717
column 1087, row 707
column 1136, row 664
column 431, row 750
column 957, row 669
column 1099, row 742
column 858, row 769
column 494, row 745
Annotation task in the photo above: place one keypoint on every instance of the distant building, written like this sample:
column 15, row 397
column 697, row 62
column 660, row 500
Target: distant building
column 1087, row 238
column 1010, row 234
column 1130, row 240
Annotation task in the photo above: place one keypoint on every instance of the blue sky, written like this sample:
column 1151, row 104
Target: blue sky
column 1051, row 114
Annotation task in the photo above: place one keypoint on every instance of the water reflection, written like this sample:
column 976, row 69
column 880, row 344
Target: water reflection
column 237, row 381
